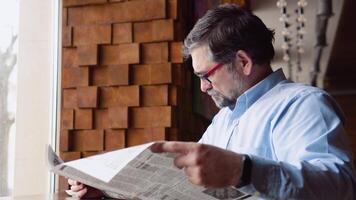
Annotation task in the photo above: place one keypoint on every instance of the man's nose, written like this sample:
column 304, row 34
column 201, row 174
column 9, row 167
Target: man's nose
column 205, row 85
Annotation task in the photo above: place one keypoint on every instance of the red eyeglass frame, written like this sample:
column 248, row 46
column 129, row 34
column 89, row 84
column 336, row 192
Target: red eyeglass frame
column 211, row 72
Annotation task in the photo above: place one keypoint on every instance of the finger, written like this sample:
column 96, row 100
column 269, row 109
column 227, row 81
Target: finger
column 179, row 161
column 76, row 188
column 194, row 175
column 70, row 182
column 70, row 192
column 73, row 182
column 186, row 160
column 82, row 192
column 171, row 147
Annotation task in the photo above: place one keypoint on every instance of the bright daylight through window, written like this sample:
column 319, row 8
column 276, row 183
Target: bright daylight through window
column 8, row 77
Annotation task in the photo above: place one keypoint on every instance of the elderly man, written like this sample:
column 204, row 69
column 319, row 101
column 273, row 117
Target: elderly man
column 272, row 137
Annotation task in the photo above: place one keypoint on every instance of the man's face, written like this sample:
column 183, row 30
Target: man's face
column 226, row 85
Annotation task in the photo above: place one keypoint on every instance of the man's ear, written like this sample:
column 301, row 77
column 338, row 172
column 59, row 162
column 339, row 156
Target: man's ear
column 245, row 62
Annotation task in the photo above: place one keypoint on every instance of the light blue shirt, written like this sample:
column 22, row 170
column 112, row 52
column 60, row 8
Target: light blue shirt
column 295, row 137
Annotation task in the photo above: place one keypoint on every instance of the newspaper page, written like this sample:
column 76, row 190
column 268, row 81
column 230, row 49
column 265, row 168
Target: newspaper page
column 147, row 176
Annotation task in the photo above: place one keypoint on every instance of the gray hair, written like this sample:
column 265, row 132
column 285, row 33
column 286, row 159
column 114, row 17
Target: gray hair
column 227, row 29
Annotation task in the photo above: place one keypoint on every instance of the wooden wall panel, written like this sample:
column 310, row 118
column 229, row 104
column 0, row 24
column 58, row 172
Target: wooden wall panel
column 123, row 78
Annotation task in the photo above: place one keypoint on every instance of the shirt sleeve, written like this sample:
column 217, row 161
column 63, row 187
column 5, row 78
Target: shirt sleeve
column 311, row 151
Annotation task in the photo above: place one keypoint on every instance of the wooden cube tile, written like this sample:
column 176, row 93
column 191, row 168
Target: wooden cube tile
column 83, row 119
column 98, row 76
column 155, row 9
column 64, row 17
column 147, row 117
column 69, row 156
column 114, row 139
column 154, row 95
column 163, row 30
column 129, row 53
column 127, row 11
column 161, row 73
column 155, row 52
column 83, row 76
column 118, row 75
column 120, row 54
column 127, row 96
column 67, row 34
column 87, row 55
column 157, row 30
column 174, row 95
column 89, row 35
column 87, row 97
column 65, row 141
column 88, row 140
column 118, row 117
column 72, row 77
column 101, row 119
column 86, row 154
column 175, row 52
column 69, row 98
column 135, row 137
column 140, row 74
column 172, row 9
column 156, row 134
column 122, row 33
column 94, row 140
column 142, row 31
column 67, row 119
column 141, row 136
column 88, row 15
column 107, row 97
column 139, row 10
column 69, row 57
column 67, row 3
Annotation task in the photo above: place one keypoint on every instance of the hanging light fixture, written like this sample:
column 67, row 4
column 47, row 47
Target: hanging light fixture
column 288, row 36
column 286, row 43
column 300, row 32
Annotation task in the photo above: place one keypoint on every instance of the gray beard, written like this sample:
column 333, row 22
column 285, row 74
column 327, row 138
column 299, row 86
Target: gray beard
column 220, row 100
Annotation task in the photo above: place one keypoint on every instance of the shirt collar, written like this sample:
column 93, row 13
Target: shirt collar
column 250, row 96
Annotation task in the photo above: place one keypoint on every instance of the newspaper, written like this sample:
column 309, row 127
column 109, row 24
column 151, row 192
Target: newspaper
column 137, row 174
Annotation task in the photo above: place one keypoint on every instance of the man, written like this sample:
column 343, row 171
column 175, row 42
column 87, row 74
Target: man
column 272, row 137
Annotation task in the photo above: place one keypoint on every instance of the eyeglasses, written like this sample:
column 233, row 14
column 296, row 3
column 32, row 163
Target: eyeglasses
column 205, row 76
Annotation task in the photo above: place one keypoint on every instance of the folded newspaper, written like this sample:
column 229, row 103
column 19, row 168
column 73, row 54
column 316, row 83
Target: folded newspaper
column 137, row 173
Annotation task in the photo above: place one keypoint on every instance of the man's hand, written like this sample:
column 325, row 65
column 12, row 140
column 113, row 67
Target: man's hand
column 204, row 165
column 80, row 190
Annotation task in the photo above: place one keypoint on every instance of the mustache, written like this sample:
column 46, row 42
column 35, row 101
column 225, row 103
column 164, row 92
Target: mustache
column 212, row 92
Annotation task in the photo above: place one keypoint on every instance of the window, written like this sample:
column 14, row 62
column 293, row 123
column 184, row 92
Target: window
column 32, row 95
column 8, row 80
